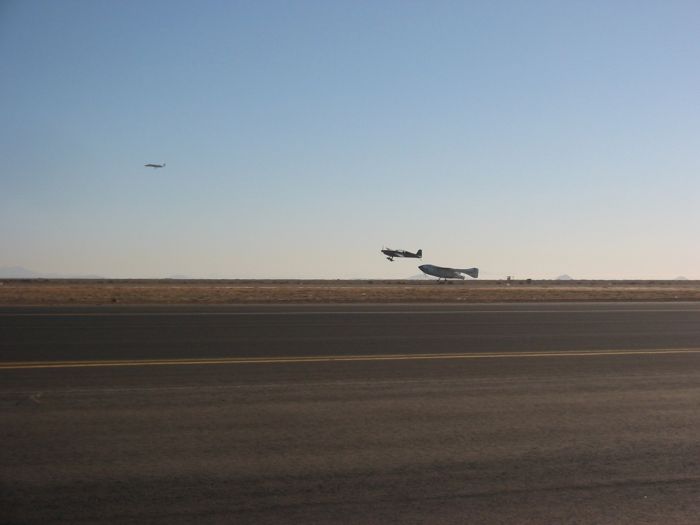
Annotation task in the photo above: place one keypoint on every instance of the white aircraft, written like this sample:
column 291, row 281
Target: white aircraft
column 448, row 273
column 151, row 165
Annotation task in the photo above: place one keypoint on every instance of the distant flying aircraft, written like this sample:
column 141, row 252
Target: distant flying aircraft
column 150, row 165
column 448, row 273
column 401, row 253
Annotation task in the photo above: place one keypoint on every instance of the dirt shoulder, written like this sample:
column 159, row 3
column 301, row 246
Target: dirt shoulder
column 101, row 292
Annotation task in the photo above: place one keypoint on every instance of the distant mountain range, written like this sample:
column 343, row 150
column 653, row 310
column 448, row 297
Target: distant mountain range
column 19, row 272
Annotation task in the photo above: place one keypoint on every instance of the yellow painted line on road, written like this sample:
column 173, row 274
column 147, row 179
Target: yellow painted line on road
column 15, row 365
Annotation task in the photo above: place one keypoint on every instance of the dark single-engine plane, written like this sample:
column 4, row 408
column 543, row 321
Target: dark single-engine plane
column 390, row 254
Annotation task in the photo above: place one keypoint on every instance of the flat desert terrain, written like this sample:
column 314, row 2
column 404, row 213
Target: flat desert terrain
column 19, row 292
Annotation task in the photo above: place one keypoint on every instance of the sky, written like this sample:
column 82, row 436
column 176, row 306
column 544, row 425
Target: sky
column 530, row 139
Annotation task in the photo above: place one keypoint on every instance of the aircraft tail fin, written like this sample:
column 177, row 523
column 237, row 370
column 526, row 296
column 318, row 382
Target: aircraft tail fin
column 419, row 253
column 471, row 272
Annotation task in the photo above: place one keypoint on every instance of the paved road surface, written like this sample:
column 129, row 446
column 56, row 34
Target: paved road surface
column 579, row 413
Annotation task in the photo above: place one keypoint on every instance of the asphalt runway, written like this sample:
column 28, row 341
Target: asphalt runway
column 521, row 413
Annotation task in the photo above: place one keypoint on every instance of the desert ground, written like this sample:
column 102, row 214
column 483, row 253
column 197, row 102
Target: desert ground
column 19, row 292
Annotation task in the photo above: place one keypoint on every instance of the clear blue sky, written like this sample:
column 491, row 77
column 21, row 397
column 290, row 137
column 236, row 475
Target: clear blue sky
column 526, row 138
